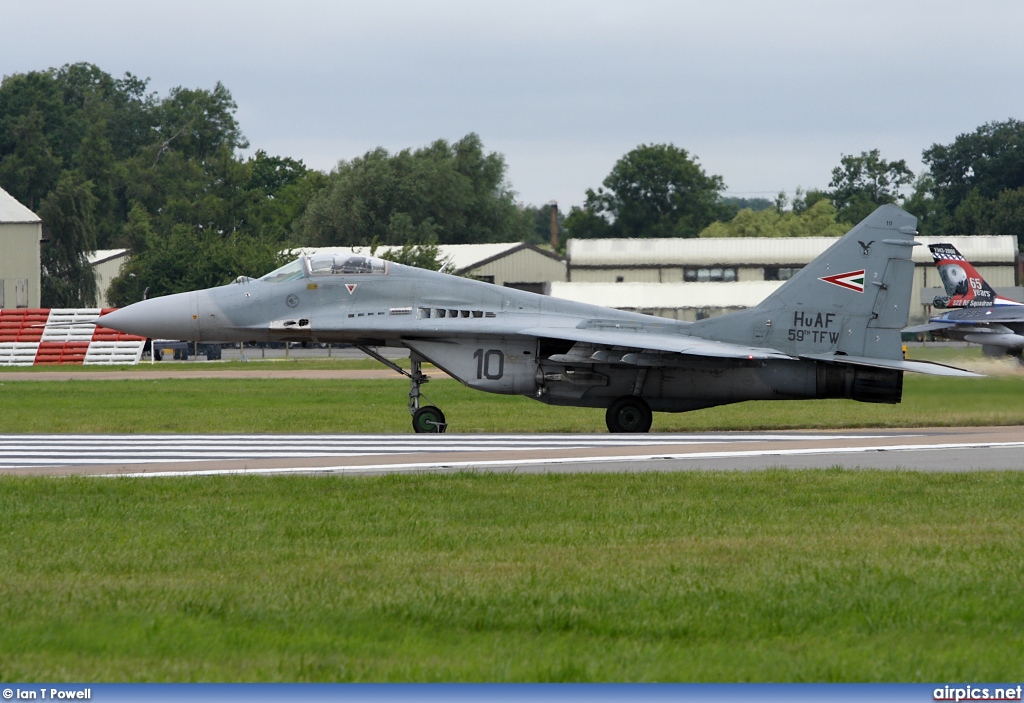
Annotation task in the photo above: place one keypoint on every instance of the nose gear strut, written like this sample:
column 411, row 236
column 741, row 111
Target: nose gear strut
column 429, row 418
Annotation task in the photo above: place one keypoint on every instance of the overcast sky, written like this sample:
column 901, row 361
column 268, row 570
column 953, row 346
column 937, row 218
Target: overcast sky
column 769, row 95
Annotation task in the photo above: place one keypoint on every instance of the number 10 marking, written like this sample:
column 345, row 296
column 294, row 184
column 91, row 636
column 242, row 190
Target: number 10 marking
column 490, row 364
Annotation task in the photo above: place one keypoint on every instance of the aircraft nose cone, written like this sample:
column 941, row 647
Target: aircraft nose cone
column 168, row 317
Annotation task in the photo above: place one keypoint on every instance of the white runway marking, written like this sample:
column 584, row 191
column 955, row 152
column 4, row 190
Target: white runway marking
column 935, row 449
column 424, row 466
column 22, row 451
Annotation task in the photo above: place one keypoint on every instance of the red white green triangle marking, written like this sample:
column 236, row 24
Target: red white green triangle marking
column 852, row 280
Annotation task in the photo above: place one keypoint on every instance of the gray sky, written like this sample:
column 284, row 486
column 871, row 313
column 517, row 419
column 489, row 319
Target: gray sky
column 768, row 95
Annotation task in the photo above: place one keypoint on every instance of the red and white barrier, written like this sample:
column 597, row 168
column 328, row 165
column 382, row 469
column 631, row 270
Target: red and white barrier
column 63, row 336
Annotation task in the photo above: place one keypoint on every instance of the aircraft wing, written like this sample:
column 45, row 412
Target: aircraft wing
column 994, row 320
column 929, row 327
column 926, row 367
column 937, row 325
column 678, row 344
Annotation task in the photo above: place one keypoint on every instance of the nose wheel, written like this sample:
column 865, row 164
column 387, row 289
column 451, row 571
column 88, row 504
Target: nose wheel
column 429, row 419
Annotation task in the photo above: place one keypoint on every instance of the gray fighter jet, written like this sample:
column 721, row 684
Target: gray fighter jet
column 831, row 331
column 975, row 312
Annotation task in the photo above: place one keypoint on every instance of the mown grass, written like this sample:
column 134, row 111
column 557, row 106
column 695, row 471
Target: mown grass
column 769, row 576
column 254, row 364
column 304, row 405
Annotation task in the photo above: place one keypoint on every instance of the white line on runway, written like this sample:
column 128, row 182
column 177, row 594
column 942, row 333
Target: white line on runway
column 25, row 451
column 421, row 466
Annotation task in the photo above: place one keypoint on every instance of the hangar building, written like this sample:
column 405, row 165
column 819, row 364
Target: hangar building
column 106, row 263
column 21, row 232
column 689, row 279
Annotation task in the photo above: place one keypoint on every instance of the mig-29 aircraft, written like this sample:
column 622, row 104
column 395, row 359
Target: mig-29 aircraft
column 831, row 331
column 975, row 312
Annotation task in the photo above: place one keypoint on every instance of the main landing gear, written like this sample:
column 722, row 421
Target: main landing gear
column 630, row 413
column 429, row 418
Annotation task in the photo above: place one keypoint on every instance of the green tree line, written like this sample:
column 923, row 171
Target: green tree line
column 107, row 163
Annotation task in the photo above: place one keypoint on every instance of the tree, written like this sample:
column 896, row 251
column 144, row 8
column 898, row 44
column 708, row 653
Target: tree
column 70, row 232
column 804, row 200
column 819, row 220
column 95, row 161
column 105, row 163
column 989, row 160
column 449, row 193
column 187, row 258
column 1003, row 214
column 31, row 169
column 755, row 204
column 862, row 183
column 424, row 256
column 539, row 224
column 973, row 185
column 199, row 123
column 655, row 190
column 284, row 187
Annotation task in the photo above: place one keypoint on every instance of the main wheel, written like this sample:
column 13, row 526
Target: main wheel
column 428, row 419
column 629, row 414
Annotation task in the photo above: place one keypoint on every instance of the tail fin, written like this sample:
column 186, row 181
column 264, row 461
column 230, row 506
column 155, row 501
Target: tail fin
column 965, row 288
column 852, row 300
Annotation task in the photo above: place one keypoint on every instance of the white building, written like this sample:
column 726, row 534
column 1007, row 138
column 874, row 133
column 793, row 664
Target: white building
column 732, row 267
column 678, row 301
column 106, row 263
column 21, row 232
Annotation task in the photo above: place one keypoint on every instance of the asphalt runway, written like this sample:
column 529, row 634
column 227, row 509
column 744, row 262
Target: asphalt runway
column 929, row 449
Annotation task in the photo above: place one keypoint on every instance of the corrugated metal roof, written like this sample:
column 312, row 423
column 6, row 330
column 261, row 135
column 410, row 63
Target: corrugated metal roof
column 756, row 251
column 101, row 255
column 651, row 296
column 979, row 249
column 13, row 212
column 463, row 256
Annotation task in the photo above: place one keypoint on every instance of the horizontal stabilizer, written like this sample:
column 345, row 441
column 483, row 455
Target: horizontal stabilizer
column 927, row 367
column 679, row 344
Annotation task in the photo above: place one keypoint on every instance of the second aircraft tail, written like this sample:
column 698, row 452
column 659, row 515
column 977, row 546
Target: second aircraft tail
column 965, row 288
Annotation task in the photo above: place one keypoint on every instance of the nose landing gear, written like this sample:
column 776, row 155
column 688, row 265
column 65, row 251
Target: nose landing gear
column 429, row 418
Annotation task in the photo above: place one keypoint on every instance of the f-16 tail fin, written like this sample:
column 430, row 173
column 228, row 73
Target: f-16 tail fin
column 965, row 288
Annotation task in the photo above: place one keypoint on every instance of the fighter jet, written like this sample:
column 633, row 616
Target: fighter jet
column 831, row 331
column 975, row 312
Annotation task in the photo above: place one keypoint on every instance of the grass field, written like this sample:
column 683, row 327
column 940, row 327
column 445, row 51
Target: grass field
column 823, row 575
column 283, row 364
column 773, row 576
column 279, row 405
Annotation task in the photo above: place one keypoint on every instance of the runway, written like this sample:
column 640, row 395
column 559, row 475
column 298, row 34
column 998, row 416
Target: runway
column 928, row 449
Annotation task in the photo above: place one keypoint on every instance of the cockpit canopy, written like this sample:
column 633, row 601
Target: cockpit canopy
column 326, row 265
column 320, row 264
column 291, row 271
